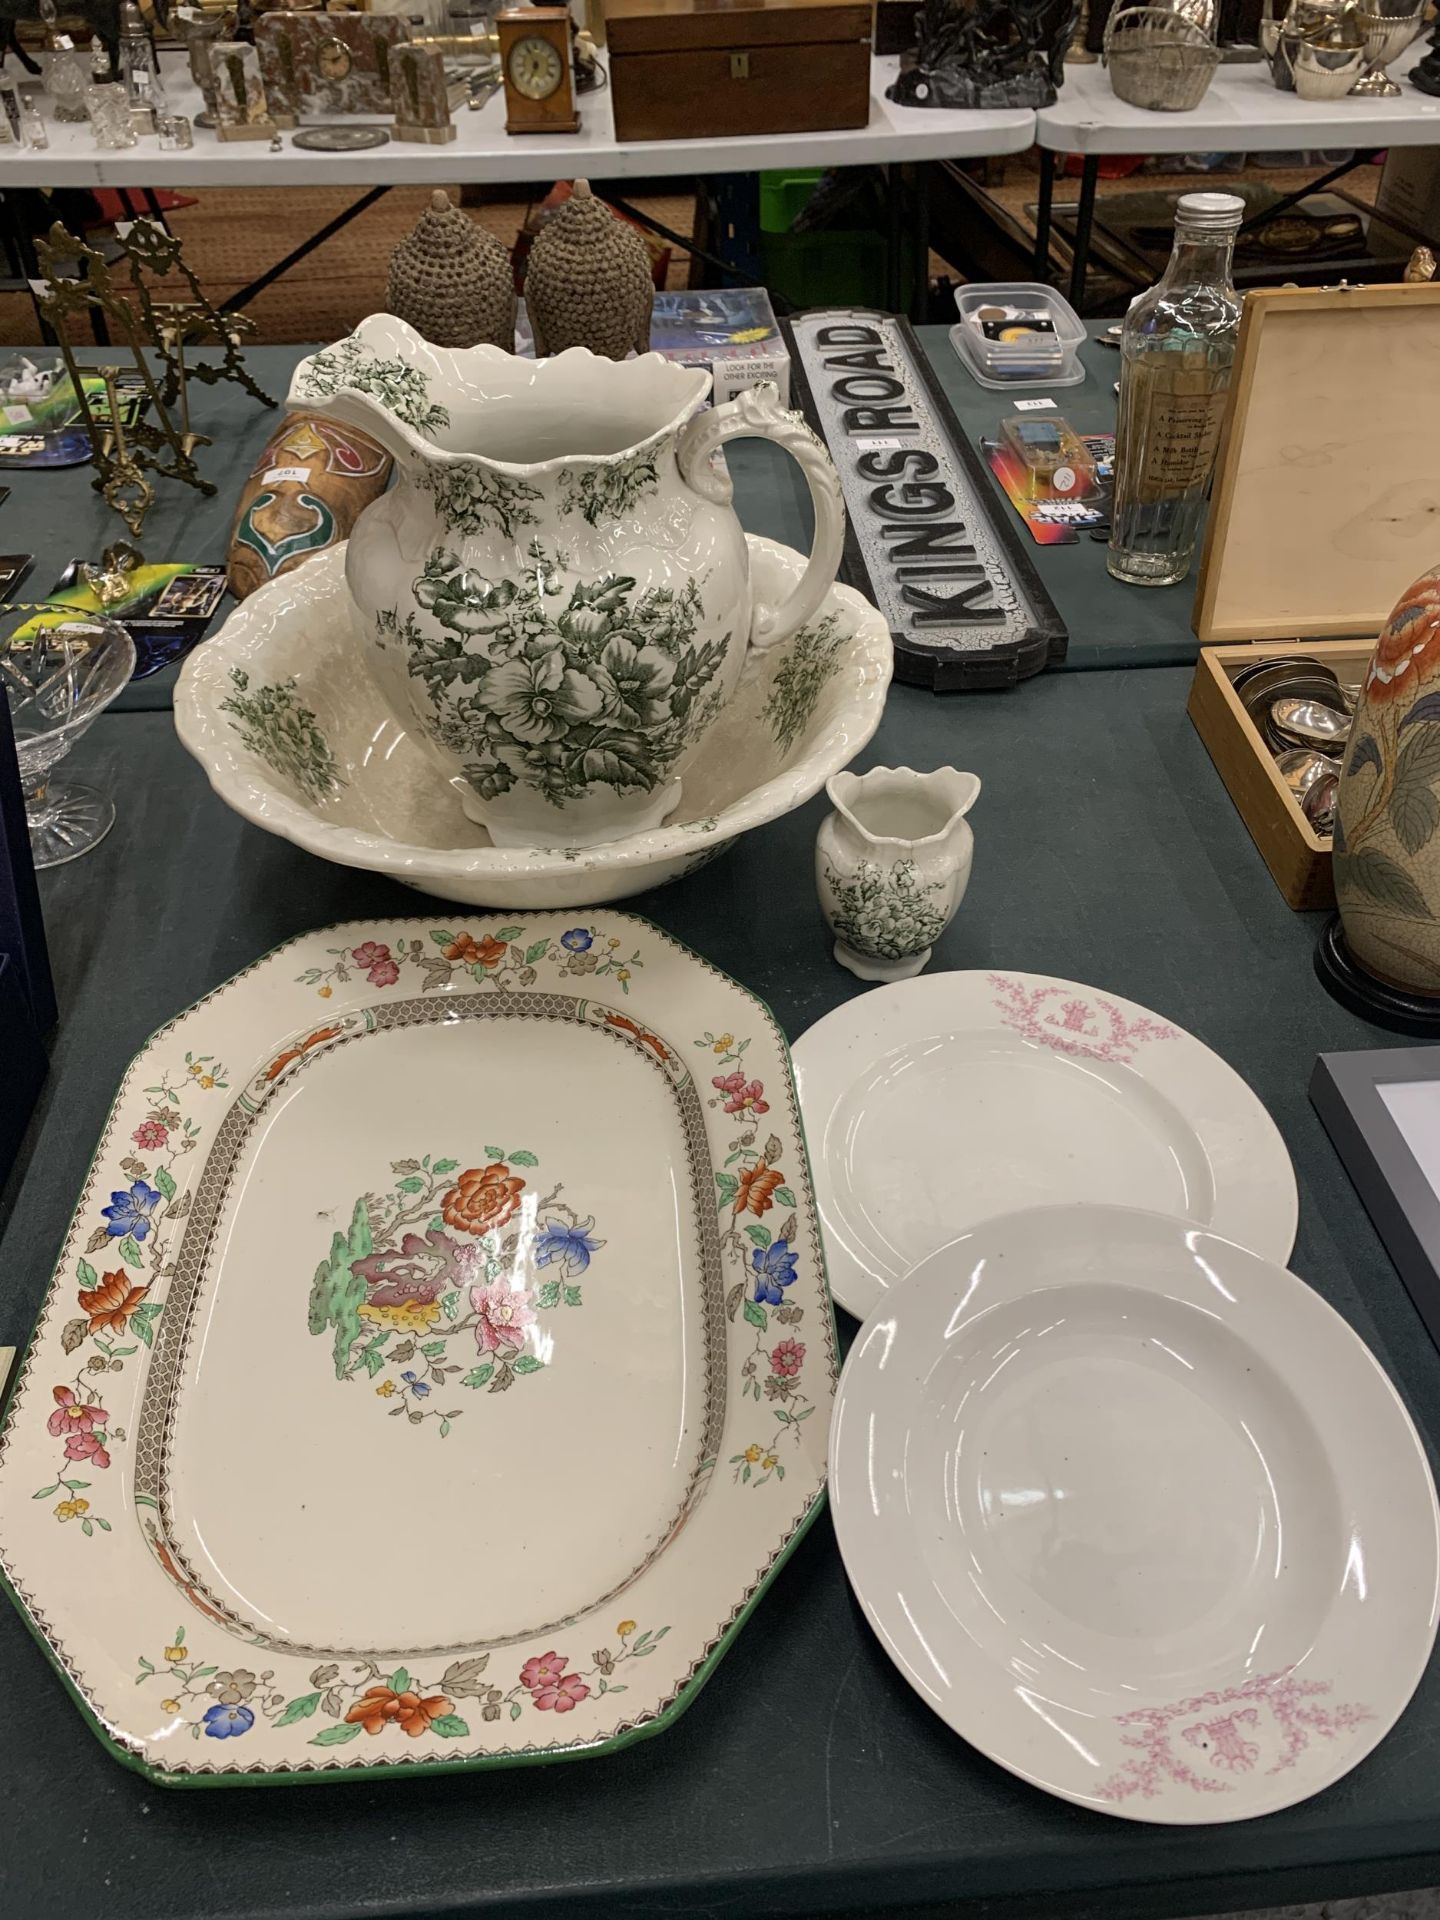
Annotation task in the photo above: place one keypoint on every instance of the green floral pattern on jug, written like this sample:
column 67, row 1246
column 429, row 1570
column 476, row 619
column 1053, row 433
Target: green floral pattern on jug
column 885, row 912
column 422, row 1289
column 344, row 1701
column 403, row 389
column 472, row 498
column 608, row 492
column 276, row 726
column 806, row 665
column 606, row 689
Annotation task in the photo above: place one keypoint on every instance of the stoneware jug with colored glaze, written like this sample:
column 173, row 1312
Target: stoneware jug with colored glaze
column 1386, row 847
column 556, row 590
column 892, row 863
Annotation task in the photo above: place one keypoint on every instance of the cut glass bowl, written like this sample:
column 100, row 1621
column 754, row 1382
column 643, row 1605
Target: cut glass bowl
column 60, row 667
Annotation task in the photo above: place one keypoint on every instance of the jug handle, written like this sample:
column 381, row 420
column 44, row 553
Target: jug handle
column 757, row 412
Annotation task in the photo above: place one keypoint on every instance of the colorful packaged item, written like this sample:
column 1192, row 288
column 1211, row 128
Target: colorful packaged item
column 1056, row 479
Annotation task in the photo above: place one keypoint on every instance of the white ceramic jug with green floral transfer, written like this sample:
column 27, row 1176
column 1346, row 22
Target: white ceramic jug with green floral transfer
column 557, row 588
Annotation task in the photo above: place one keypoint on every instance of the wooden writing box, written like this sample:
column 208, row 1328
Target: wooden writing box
column 1326, row 506
column 707, row 69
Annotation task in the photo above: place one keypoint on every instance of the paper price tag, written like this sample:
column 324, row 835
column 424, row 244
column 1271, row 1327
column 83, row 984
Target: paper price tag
column 1032, row 406
column 16, row 415
column 284, row 473
column 877, row 446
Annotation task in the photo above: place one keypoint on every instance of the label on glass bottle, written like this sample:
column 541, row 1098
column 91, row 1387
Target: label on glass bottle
column 1181, row 418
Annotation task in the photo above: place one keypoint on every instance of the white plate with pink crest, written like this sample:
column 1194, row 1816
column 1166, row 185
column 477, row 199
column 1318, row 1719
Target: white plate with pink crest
column 944, row 1101
column 1137, row 1514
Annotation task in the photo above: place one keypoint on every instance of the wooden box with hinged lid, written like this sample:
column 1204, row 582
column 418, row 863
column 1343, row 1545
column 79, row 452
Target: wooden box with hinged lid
column 1326, row 506
column 705, row 69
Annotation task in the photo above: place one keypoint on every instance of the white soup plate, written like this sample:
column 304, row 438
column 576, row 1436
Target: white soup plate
column 429, row 1377
column 1137, row 1514
column 938, row 1103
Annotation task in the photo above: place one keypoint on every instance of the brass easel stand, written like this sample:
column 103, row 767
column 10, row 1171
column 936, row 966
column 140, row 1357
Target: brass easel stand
column 122, row 455
column 150, row 249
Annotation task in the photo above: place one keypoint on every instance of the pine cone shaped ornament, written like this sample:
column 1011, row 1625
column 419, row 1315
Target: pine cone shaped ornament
column 588, row 283
column 452, row 281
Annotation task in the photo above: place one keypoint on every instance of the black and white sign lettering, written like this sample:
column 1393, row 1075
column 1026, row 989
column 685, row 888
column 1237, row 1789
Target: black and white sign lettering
column 926, row 543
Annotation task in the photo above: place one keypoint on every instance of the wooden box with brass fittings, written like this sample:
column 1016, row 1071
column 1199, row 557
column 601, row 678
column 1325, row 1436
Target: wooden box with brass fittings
column 687, row 69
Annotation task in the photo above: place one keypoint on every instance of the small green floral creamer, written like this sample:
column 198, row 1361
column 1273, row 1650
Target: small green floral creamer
column 892, row 863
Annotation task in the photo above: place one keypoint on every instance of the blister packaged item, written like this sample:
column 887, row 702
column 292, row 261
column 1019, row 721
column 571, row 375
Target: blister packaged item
column 1052, row 456
column 1057, row 480
column 1018, row 334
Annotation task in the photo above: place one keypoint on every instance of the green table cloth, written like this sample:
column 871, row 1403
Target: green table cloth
column 806, row 1778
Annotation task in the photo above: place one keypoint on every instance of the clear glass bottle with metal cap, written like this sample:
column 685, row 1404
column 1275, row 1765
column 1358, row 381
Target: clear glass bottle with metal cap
column 1177, row 349
column 140, row 68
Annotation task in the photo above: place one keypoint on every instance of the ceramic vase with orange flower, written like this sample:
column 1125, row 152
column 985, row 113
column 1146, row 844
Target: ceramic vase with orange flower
column 1387, row 828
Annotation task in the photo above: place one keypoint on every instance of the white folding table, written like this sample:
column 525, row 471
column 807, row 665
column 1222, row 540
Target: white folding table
column 482, row 152
column 1242, row 112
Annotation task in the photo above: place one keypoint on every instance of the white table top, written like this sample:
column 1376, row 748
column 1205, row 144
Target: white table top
column 1242, row 111
column 483, row 151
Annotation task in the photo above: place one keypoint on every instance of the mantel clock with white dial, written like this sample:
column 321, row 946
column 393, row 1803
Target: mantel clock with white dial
column 535, row 62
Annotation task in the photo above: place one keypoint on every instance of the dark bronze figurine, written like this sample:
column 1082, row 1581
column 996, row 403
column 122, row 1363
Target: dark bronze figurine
column 988, row 53
column 101, row 16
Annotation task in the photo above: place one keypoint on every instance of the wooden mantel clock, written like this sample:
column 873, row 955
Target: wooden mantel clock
column 535, row 61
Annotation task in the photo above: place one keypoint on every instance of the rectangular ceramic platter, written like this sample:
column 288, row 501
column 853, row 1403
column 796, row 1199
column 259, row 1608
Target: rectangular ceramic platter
column 453, row 1373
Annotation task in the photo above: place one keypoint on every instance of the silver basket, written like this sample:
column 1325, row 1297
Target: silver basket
column 1158, row 59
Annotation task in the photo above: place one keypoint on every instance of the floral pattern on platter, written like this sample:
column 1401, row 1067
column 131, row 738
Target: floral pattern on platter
column 472, row 497
column 751, row 1184
column 430, row 1262
column 885, row 912
column 1086, row 1031
column 118, row 1306
column 225, row 1704
column 724, row 1046
column 1267, row 1723
column 607, row 690
column 806, row 665
column 503, row 959
column 607, row 492
column 285, row 734
column 404, row 389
